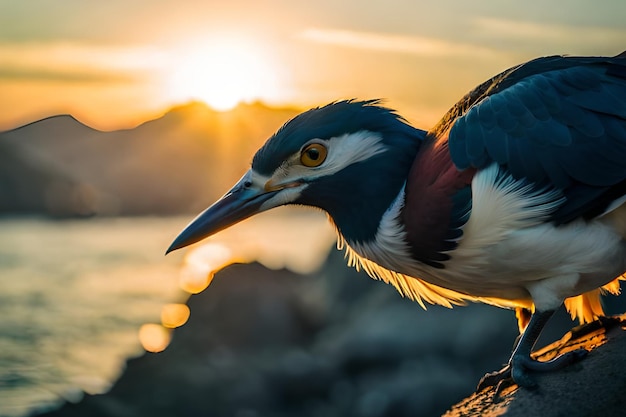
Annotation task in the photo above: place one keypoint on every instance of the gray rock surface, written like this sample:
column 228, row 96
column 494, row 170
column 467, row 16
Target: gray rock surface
column 596, row 386
column 335, row 343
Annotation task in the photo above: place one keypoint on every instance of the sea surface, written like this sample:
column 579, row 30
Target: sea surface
column 76, row 295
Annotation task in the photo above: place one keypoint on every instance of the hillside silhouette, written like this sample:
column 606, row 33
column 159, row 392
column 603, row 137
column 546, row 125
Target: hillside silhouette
column 177, row 163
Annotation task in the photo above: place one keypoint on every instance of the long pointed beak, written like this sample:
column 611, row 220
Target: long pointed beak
column 242, row 201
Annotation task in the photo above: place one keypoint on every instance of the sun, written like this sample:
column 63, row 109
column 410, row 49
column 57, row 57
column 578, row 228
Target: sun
column 222, row 72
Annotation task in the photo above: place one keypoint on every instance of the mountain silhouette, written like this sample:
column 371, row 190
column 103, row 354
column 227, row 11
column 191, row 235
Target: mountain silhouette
column 177, row 163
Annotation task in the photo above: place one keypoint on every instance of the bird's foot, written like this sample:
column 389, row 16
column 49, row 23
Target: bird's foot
column 499, row 379
column 520, row 367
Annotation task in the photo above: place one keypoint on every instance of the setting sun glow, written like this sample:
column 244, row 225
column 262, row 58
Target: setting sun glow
column 222, row 73
column 115, row 65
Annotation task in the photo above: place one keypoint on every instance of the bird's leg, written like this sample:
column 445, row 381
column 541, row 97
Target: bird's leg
column 523, row 316
column 521, row 362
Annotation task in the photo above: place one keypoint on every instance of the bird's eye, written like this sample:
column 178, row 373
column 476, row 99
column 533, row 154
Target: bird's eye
column 313, row 155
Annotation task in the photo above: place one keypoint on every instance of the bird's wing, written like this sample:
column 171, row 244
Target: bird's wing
column 556, row 121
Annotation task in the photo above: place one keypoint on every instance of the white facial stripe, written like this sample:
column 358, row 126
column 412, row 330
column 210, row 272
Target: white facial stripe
column 349, row 149
column 258, row 181
column 343, row 151
column 284, row 196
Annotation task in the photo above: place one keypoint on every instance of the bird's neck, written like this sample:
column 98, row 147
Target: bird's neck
column 370, row 193
column 389, row 247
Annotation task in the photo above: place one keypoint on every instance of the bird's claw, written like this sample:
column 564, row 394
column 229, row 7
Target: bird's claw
column 493, row 379
column 518, row 370
column 557, row 363
column 521, row 367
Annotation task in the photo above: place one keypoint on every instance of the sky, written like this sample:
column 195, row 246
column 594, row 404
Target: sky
column 114, row 64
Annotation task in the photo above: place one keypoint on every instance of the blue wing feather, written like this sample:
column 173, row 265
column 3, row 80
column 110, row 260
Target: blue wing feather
column 475, row 148
column 458, row 146
column 533, row 102
column 559, row 121
column 487, row 115
column 611, row 104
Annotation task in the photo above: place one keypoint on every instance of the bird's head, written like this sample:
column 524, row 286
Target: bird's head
column 349, row 158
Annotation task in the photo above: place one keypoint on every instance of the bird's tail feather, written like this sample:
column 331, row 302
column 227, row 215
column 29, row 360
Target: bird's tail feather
column 587, row 307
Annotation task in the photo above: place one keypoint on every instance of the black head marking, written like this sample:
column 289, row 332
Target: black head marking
column 332, row 120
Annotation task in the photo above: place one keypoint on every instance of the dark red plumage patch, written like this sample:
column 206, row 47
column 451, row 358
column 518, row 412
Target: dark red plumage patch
column 428, row 213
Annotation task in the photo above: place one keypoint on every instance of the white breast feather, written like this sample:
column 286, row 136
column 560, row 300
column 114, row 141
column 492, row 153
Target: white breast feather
column 391, row 250
column 501, row 206
column 506, row 248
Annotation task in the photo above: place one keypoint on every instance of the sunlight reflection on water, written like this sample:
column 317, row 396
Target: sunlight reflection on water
column 72, row 295
column 292, row 238
column 79, row 297
column 154, row 337
column 296, row 239
column 174, row 315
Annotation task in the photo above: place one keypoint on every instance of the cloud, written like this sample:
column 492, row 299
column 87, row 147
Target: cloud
column 76, row 62
column 71, row 76
column 586, row 39
column 486, row 37
column 413, row 45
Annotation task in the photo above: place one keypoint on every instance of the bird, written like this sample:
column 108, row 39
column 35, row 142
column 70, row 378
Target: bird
column 515, row 198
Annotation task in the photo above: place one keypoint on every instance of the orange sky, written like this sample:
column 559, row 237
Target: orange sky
column 114, row 64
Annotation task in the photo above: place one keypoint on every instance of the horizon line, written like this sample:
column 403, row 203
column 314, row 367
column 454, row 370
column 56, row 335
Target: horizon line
column 155, row 115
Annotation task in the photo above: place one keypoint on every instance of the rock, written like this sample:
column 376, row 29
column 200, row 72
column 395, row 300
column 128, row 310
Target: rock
column 334, row 344
column 595, row 386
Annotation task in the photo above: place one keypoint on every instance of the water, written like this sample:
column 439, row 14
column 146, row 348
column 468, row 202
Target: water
column 74, row 295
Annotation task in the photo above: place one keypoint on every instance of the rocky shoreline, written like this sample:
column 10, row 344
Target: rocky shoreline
column 333, row 343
